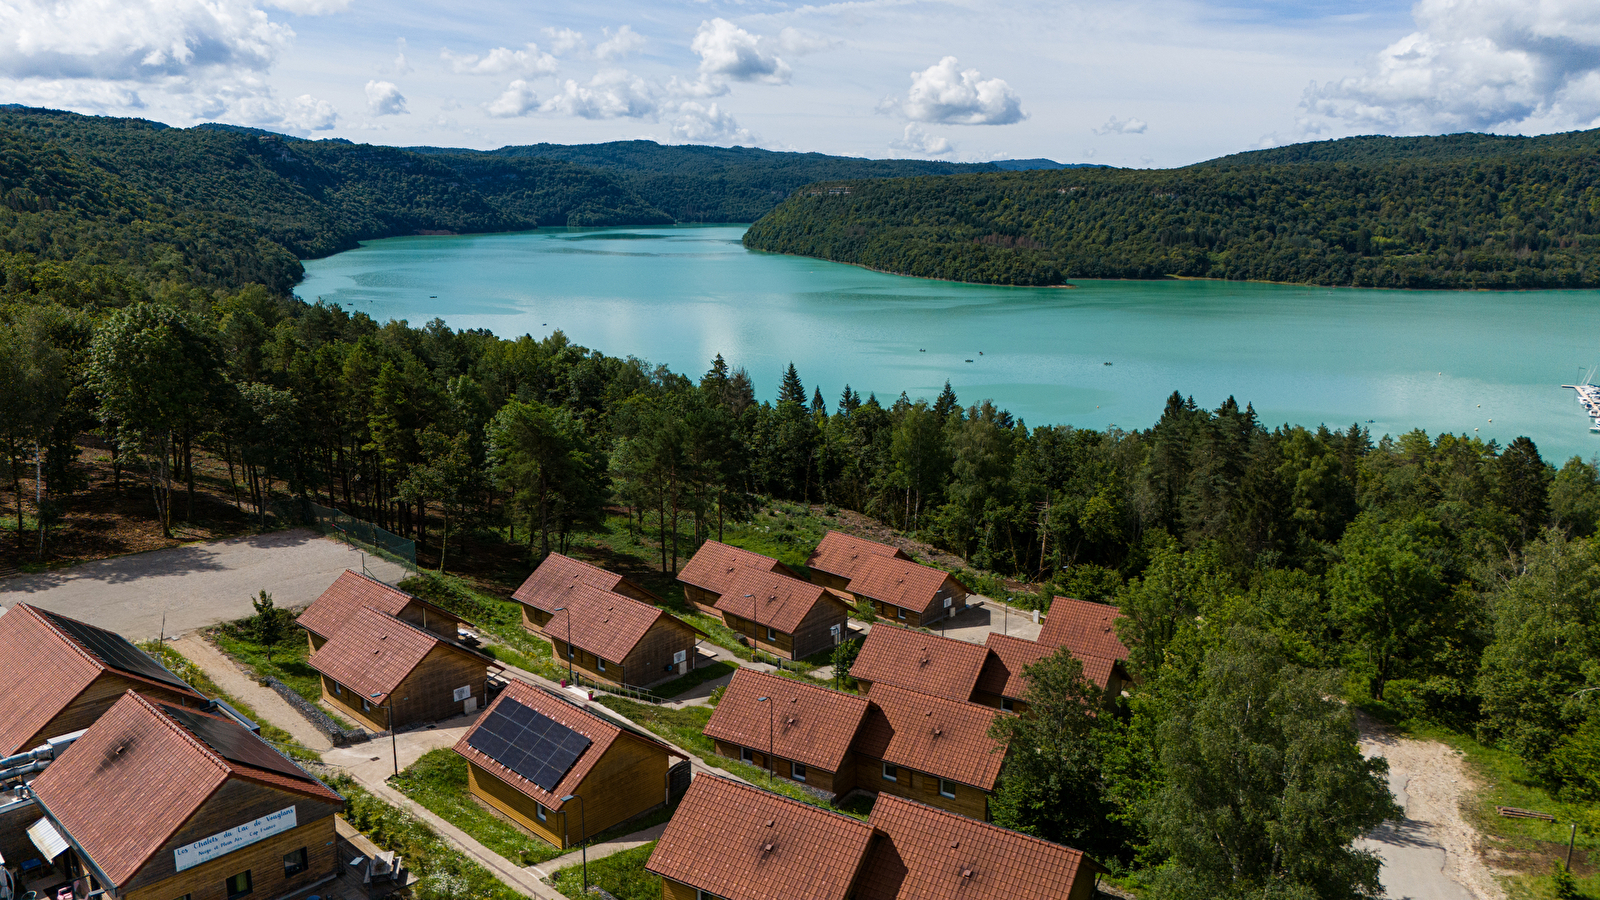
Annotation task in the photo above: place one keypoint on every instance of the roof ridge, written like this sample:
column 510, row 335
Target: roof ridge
column 89, row 656
column 969, row 821
column 790, row 801
column 788, row 682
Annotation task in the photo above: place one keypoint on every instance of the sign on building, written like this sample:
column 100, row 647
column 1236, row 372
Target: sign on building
column 207, row 849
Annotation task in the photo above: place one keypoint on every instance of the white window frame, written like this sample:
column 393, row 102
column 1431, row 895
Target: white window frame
column 366, row 704
column 600, row 664
column 771, row 634
column 540, row 812
column 891, row 772
column 797, row 770
column 947, row 788
column 338, row 690
column 899, row 612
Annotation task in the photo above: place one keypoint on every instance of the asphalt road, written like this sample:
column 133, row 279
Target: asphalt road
column 193, row 586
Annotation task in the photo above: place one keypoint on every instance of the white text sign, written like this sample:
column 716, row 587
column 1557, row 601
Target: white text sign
column 206, row 849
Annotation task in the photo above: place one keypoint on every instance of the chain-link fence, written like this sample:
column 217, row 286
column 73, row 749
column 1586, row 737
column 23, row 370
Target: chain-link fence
column 362, row 532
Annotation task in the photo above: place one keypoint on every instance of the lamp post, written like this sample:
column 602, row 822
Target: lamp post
column 755, row 627
column 570, row 679
column 772, row 766
column 1006, row 628
column 583, row 831
column 394, row 746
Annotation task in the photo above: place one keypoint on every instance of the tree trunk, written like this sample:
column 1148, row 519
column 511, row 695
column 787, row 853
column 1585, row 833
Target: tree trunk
column 188, row 467
column 38, row 494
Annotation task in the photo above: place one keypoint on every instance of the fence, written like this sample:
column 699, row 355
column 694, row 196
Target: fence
column 619, row 690
column 352, row 529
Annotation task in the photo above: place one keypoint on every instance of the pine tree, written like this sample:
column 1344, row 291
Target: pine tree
column 947, row 402
column 817, row 403
column 792, row 390
column 850, row 401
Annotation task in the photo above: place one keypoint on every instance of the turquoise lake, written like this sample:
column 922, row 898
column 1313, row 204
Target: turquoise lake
column 1441, row 361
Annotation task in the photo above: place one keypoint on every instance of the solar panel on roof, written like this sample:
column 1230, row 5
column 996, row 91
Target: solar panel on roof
column 528, row 743
column 233, row 743
column 114, row 650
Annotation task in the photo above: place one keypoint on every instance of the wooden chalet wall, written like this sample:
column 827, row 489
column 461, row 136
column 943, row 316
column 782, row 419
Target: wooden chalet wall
column 650, row 661
column 916, row 618
column 837, row 582
column 425, row 695
column 703, row 599
column 628, row 780
column 836, row 783
column 236, row 803
column 921, row 787
column 93, row 701
column 488, row 788
column 677, row 890
column 815, row 633
column 440, row 623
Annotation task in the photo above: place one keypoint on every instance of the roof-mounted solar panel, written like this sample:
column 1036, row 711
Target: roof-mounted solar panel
column 528, row 743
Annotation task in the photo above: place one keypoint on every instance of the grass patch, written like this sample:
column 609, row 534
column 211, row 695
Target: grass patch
column 288, row 663
column 446, row 873
column 858, row 805
column 621, row 874
column 499, row 620
column 184, row 668
column 686, row 728
column 438, row 781
column 694, row 679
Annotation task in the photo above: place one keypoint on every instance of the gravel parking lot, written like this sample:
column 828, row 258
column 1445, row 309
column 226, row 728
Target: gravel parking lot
column 194, row 586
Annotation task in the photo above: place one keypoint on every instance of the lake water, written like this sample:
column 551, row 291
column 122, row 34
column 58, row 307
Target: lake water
column 1442, row 361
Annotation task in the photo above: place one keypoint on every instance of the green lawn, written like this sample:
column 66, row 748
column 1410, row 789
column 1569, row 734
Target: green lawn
column 438, row 781
column 694, row 679
column 621, row 874
column 181, row 666
column 288, row 663
column 497, row 619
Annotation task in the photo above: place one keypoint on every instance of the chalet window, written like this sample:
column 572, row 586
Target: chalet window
column 891, row 772
column 366, row 705
column 570, row 654
column 539, row 811
column 602, row 663
column 1008, row 704
column 949, row 602
column 705, row 895
column 746, row 755
column 947, row 788
column 771, row 635
column 295, row 863
column 899, row 613
column 184, row 897
column 799, row 771
column 238, row 885
column 337, row 690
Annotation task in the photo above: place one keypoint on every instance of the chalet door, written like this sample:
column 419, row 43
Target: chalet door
column 470, row 705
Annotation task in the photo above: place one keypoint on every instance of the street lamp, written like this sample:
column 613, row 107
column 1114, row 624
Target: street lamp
column 570, row 679
column 388, row 708
column 755, row 627
column 1006, row 628
column 772, row 766
column 583, row 830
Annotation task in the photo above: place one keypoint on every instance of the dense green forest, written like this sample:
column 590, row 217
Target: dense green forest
column 1461, row 211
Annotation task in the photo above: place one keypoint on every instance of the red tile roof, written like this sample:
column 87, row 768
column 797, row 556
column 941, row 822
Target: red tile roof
column 350, row 592
column 841, row 554
column 601, row 732
column 776, row 601
column 809, row 724
column 919, row 661
column 715, row 564
column 605, row 624
column 557, row 571
column 136, row 776
column 375, row 651
column 907, row 585
column 1085, row 628
column 926, row 852
column 946, row 738
column 43, row 668
column 743, row 843
column 1008, row 656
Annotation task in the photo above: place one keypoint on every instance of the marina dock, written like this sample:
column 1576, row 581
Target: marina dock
column 1589, row 399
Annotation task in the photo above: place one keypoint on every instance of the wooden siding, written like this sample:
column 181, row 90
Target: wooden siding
column 677, row 890
column 703, row 599
column 983, row 698
column 836, row 783
column 348, row 703
column 425, row 695
column 235, row 803
column 837, row 582
column 782, row 643
column 916, row 617
column 629, row 779
column 650, row 661
column 433, row 620
column 93, row 701
column 586, row 663
column 517, row 806
column 815, row 633
column 921, row 787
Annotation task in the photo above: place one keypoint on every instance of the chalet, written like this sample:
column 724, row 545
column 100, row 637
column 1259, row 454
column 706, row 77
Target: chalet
column 784, row 616
column 1089, row 631
column 612, row 638
column 386, row 673
column 1002, row 682
column 929, row 749
column 531, row 753
column 155, row 802
column 906, row 592
column 350, row 592
column 807, row 729
column 58, row 675
column 714, row 566
column 839, row 556
column 731, row 841
column 919, row 661
column 918, row 851
column 559, row 572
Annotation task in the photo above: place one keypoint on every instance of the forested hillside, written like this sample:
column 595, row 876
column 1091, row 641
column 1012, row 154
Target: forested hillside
column 1455, row 212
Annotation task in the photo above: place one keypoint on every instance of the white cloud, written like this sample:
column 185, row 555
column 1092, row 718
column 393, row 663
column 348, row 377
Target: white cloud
column 518, row 100
column 79, row 94
column 310, row 114
column 402, row 66
column 1129, row 125
column 501, row 60
column 945, row 94
column 385, row 99
column 702, row 124
column 918, row 140
column 563, row 40
column 618, row 45
column 702, row 87
column 728, row 51
column 795, row 42
column 311, row 7
column 1477, row 65
column 135, row 40
column 611, row 94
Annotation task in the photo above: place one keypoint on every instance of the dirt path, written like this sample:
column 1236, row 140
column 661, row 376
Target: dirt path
column 1432, row 854
column 265, row 701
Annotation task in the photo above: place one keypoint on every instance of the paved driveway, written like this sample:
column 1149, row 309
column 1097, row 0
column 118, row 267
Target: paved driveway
column 193, row 586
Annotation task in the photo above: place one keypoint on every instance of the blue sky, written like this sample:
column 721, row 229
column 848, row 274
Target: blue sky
column 1132, row 82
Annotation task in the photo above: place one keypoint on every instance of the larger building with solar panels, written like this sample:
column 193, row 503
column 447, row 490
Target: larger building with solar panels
column 531, row 750
column 59, row 675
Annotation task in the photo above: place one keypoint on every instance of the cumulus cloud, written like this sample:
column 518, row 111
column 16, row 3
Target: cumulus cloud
column 708, row 124
column 728, row 51
column 618, row 45
column 610, row 94
column 1129, row 125
column 307, row 113
column 500, row 61
column 795, row 42
column 518, row 100
column 945, row 94
column 99, row 96
column 1476, row 65
column 563, row 40
column 135, row 40
column 917, row 140
column 311, row 7
column 402, row 66
column 385, row 99
column 703, row 87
